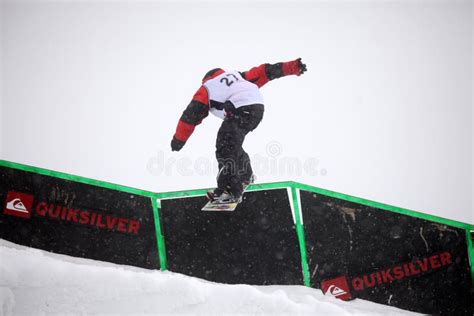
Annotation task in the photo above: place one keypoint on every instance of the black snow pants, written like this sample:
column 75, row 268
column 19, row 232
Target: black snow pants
column 234, row 162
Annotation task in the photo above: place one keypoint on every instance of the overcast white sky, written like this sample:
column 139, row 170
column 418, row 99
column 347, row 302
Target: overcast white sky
column 384, row 111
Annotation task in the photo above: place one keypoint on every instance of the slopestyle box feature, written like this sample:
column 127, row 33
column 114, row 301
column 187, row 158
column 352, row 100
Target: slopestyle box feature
column 255, row 244
column 387, row 257
column 77, row 219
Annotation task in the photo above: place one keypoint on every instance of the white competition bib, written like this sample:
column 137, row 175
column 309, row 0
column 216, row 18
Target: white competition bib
column 230, row 86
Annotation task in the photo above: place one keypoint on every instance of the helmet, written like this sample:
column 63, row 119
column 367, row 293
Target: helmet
column 212, row 74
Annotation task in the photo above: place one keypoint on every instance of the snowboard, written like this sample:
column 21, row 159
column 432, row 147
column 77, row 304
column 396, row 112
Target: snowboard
column 226, row 207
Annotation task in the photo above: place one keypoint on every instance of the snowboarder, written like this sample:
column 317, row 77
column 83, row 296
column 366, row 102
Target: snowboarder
column 234, row 97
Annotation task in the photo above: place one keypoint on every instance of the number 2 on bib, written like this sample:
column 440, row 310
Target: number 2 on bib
column 228, row 81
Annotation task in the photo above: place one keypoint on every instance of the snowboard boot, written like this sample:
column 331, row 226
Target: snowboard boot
column 213, row 195
column 226, row 198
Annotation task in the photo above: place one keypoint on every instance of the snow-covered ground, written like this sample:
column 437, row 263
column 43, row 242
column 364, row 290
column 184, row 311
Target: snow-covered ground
column 35, row 282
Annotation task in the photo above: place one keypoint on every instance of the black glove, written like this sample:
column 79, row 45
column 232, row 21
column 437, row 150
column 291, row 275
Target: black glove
column 301, row 66
column 176, row 144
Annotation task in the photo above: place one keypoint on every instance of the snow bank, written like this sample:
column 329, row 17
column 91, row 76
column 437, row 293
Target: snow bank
column 37, row 282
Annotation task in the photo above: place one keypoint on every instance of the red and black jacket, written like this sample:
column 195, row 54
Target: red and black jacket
column 198, row 108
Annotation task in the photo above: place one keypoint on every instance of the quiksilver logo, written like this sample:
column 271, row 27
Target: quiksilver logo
column 18, row 204
column 336, row 291
column 338, row 288
column 21, row 205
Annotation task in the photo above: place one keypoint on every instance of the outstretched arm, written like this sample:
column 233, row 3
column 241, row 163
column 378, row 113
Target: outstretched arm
column 266, row 72
column 192, row 116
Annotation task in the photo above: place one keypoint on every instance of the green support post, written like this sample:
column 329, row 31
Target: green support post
column 470, row 252
column 160, row 240
column 300, row 234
